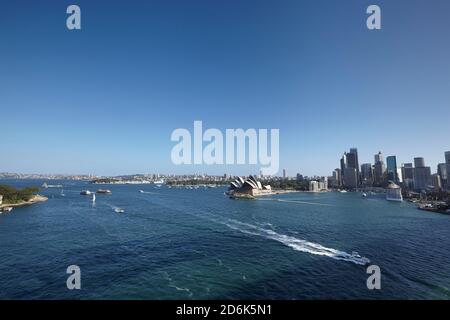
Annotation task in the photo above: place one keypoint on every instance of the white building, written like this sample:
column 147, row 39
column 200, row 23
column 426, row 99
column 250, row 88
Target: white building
column 314, row 186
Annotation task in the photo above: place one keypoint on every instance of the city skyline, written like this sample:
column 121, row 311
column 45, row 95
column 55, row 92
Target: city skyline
column 105, row 99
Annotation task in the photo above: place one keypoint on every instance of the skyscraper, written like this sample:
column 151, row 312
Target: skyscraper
column 350, row 178
column 379, row 169
column 343, row 166
column 408, row 175
column 352, row 161
column 367, row 174
column 442, row 172
column 337, row 181
column 422, row 174
column 447, row 162
column 392, row 174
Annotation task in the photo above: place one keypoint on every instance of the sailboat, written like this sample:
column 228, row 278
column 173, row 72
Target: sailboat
column 62, row 193
column 93, row 198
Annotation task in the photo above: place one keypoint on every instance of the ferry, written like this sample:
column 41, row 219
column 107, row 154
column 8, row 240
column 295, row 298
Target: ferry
column 104, row 191
column 46, row 186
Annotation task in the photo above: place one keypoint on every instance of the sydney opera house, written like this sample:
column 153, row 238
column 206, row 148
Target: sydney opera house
column 249, row 187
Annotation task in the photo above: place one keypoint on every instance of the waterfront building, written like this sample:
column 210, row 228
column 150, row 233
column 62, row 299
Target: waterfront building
column 392, row 174
column 248, row 187
column 394, row 192
column 314, row 186
column 350, row 178
column 421, row 174
column 323, row 183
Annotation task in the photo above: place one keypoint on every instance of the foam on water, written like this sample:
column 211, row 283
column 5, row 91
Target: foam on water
column 295, row 243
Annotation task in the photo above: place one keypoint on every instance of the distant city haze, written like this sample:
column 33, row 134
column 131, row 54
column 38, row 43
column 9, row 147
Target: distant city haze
column 104, row 99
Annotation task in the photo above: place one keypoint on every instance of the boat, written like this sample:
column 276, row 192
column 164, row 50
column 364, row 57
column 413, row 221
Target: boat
column 160, row 181
column 141, row 191
column 435, row 207
column 6, row 209
column 364, row 195
column 93, row 197
column 104, row 191
column 85, row 192
column 119, row 210
column 342, row 191
column 45, row 185
column 62, row 193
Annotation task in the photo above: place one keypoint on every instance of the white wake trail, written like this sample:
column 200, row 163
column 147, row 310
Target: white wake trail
column 297, row 244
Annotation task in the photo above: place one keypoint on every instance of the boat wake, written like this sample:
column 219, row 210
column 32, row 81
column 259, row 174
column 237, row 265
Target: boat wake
column 297, row 244
column 298, row 201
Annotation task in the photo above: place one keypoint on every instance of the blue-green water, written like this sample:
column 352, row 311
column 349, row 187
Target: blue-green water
column 198, row 244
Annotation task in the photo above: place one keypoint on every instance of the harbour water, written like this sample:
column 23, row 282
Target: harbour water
column 198, row 244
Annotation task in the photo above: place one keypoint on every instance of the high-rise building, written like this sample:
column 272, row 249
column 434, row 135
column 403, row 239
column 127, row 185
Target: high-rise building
column 436, row 181
column 419, row 162
column 379, row 157
column 422, row 174
column 299, row 177
column 367, row 174
column 442, row 172
column 408, row 171
column 314, row 186
column 447, row 162
column 392, row 174
column 284, row 173
column 408, row 176
column 352, row 161
column 350, row 178
column 343, row 166
column 379, row 169
column 337, row 180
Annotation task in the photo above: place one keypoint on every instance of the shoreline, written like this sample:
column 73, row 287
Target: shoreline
column 35, row 199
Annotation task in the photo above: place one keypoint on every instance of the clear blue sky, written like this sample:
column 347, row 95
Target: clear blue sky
column 105, row 99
